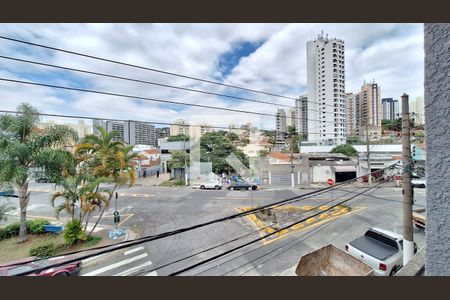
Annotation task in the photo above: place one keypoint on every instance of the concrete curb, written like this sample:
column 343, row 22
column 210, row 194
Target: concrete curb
column 90, row 262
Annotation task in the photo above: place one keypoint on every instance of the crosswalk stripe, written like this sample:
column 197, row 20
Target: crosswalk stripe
column 116, row 265
column 133, row 250
column 134, row 269
column 151, row 274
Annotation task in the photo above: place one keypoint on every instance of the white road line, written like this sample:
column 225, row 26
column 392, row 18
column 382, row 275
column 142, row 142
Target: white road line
column 151, row 274
column 94, row 257
column 134, row 269
column 133, row 250
column 116, row 265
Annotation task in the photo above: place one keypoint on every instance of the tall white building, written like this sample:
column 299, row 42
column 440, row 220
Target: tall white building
column 327, row 122
column 301, row 104
column 292, row 118
column 134, row 133
column 390, row 109
column 281, row 126
column 417, row 107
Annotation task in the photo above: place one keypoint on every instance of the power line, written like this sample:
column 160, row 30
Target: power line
column 254, row 241
column 138, row 241
column 153, row 70
column 132, row 120
column 147, row 98
column 295, row 242
column 248, row 234
column 144, row 68
column 158, row 84
column 139, row 81
column 245, row 253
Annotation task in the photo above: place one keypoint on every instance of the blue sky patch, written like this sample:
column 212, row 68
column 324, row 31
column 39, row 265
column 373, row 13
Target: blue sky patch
column 230, row 59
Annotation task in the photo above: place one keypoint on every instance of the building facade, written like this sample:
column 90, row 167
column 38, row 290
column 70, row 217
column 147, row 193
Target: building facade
column 417, row 107
column 281, row 126
column 134, row 133
column 327, row 123
column 301, row 104
column 179, row 127
column 162, row 132
column 370, row 108
column 96, row 123
column 351, row 114
column 390, row 109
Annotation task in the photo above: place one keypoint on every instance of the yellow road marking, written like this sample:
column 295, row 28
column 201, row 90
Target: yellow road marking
column 301, row 226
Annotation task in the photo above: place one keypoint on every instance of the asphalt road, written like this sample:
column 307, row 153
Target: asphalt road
column 152, row 210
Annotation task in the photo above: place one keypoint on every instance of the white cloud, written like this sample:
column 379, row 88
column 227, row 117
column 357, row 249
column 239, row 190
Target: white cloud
column 392, row 54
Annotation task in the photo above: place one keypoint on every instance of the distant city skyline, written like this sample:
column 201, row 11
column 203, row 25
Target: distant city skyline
column 267, row 57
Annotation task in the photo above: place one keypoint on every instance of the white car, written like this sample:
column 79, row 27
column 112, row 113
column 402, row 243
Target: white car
column 419, row 183
column 213, row 184
column 381, row 249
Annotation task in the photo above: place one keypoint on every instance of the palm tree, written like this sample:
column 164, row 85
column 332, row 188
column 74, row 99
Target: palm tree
column 109, row 158
column 24, row 149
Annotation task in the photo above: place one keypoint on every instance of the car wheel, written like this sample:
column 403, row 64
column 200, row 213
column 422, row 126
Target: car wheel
column 393, row 271
column 216, row 187
column 254, row 188
column 202, row 187
column 249, row 188
column 62, row 274
column 232, row 188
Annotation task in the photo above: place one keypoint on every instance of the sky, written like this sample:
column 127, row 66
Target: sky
column 266, row 57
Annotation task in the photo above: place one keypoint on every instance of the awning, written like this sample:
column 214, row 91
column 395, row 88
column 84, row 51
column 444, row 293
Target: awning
column 344, row 168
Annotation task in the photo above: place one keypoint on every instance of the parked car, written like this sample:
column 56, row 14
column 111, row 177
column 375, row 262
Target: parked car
column 28, row 265
column 42, row 180
column 380, row 249
column 212, row 184
column 419, row 183
column 241, row 185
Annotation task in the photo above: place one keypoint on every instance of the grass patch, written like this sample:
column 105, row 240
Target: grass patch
column 172, row 182
column 10, row 250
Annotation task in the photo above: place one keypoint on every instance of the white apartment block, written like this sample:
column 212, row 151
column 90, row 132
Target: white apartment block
column 327, row 124
column 281, row 126
column 301, row 105
column 390, row 109
column 292, row 118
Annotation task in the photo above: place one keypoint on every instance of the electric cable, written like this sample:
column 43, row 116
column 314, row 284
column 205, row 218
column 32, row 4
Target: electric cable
column 252, row 242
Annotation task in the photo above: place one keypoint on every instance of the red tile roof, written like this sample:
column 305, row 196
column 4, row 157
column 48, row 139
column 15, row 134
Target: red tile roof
column 280, row 155
column 153, row 151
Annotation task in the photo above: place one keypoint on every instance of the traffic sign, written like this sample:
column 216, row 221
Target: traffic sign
column 330, row 181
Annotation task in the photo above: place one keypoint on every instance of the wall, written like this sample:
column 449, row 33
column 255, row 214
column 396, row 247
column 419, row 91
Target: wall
column 321, row 174
column 437, row 127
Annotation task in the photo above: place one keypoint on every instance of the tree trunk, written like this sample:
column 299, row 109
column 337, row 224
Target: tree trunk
column 103, row 210
column 23, row 202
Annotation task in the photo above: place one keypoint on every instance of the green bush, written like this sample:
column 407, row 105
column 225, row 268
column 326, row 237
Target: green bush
column 73, row 233
column 33, row 227
column 9, row 231
column 36, row 226
column 46, row 250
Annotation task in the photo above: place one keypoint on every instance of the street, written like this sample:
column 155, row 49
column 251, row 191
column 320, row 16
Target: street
column 151, row 210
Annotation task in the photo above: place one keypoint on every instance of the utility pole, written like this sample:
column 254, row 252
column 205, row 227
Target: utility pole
column 292, row 164
column 408, row 240
column 369, row 175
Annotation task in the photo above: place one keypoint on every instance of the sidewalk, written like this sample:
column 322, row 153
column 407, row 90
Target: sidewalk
column 152, row 180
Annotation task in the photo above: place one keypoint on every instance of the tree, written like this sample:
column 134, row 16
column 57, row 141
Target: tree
column 215, row 147
column 179, row 159
column 24, row 149
column 345, row 149
column 106, row 159
column 178, row 138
